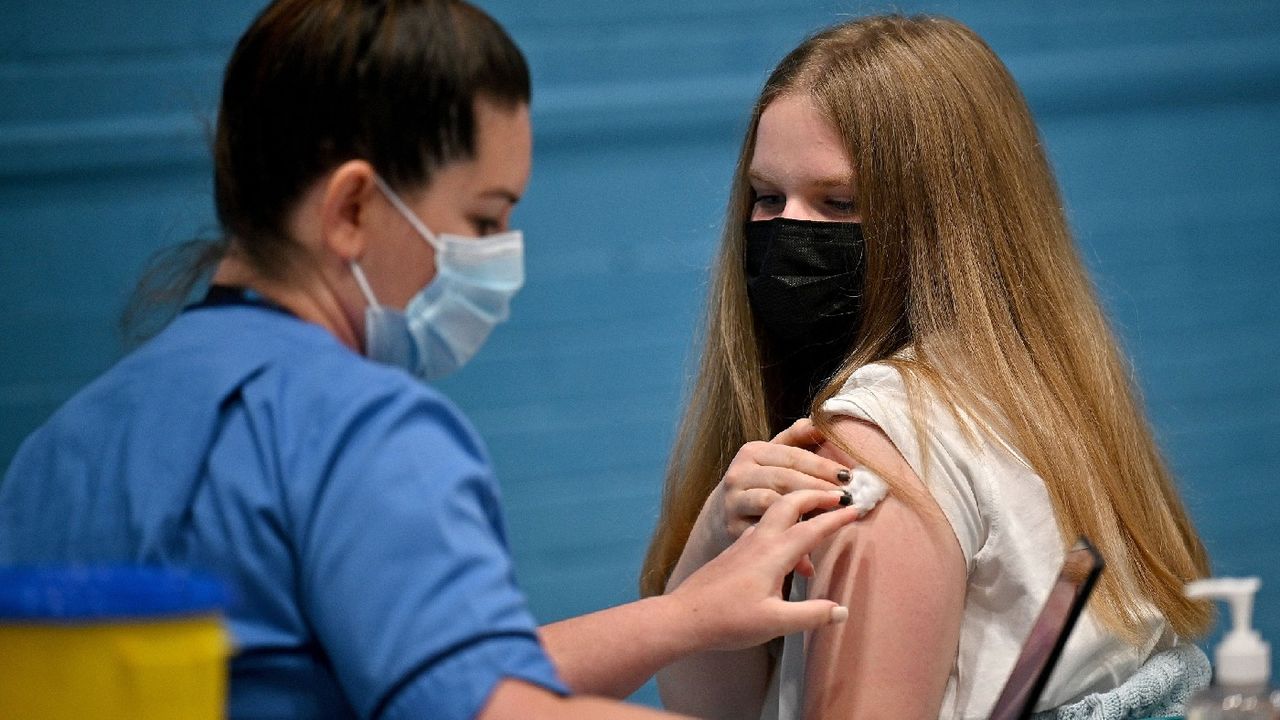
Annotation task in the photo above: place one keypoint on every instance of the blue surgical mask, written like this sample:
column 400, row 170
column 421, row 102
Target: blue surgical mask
column 444, row 325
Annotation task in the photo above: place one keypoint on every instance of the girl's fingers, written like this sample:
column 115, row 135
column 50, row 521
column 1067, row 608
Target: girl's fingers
column 802, row 433
column 752, row 503
column 747, row 506
column 786, row 480
column 739, row 527
column 792, row 458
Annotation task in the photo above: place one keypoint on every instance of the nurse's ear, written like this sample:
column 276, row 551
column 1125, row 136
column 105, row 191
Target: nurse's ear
column 348, row 215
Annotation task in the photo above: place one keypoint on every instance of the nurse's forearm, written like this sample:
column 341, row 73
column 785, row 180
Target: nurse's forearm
column 515, row 700
column 717, row 684
column 712, row 684
column 730, row 603
column 613, row 652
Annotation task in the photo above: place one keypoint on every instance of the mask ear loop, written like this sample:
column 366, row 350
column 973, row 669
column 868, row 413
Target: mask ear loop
column 413, row 220
column 364, row 285
column 408, row 214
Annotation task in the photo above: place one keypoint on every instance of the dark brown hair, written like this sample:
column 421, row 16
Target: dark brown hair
column 314, row 83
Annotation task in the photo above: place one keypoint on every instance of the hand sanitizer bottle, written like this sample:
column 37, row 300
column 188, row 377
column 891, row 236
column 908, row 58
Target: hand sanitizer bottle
column 1242, row 661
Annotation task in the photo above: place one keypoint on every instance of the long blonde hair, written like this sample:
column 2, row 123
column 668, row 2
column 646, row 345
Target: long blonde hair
column 970, row 263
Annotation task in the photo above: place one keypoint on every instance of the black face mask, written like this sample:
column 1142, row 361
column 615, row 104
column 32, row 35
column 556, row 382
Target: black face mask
column 805, row 285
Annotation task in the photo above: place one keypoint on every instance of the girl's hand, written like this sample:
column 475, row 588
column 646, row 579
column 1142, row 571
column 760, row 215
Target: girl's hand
column 760, row 474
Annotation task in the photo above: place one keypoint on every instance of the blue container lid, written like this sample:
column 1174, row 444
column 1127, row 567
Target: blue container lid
column 70, row 594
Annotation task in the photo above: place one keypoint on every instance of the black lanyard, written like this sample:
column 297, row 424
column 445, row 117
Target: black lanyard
column 229, row 295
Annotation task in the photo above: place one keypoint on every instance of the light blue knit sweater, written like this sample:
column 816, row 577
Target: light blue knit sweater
column 1161, row 686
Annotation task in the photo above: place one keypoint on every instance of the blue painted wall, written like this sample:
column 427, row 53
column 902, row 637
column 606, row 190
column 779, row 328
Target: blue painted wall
column 1162, row 120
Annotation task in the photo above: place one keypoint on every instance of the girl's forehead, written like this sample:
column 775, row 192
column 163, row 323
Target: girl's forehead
column 796, row 142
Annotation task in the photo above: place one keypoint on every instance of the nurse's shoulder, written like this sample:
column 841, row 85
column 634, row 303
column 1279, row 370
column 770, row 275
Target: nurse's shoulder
column 317, row 397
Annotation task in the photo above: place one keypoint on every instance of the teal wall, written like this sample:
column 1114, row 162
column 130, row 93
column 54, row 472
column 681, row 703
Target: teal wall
column 1161, row 118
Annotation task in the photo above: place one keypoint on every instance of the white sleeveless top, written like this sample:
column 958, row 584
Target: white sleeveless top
column 1000, row 512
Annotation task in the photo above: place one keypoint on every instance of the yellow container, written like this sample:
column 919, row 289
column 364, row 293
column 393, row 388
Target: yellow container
column 71, row 654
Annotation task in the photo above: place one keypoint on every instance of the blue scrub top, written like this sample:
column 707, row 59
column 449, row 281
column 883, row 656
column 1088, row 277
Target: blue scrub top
column 351, row 509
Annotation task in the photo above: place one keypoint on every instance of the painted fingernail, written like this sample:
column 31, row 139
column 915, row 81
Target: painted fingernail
column 845, row 499
column 839, row 614
column 843, row 476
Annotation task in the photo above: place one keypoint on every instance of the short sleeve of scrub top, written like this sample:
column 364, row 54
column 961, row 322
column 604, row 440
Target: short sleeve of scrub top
column 406, row 576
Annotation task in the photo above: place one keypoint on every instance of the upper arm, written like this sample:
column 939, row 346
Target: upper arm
column 901, row 573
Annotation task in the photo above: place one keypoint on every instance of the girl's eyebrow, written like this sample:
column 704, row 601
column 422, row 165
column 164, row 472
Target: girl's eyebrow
column 831, row 181
column 834, row 182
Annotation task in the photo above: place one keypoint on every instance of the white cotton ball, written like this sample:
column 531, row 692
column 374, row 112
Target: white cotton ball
column 866, row 488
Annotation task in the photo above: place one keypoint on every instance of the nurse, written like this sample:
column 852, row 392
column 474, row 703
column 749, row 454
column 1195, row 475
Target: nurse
column 278, row 432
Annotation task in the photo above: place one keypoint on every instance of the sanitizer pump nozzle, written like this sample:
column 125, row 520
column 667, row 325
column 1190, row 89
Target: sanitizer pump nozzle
column 1243, row 657
column 1242, row 661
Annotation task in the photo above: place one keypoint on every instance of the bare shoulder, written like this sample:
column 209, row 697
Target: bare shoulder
column 909, row 506
column 873, row 447
column 902, row 574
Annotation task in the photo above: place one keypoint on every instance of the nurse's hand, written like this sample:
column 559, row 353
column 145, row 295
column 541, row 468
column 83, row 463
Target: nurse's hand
column 731, row 601
column 760, row 474
column 735, row 600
